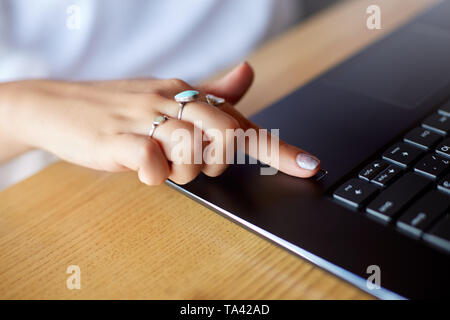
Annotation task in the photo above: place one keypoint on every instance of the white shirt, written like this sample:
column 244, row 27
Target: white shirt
column 110, row 39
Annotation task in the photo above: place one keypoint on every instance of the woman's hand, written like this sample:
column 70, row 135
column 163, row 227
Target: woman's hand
column 105, row 125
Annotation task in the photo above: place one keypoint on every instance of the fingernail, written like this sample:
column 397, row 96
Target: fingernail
column 307, row 161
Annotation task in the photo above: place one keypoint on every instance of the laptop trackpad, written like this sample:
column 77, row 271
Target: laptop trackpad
column 410, row 66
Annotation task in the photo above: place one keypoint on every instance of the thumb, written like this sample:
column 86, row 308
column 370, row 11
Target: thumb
column 232, row 86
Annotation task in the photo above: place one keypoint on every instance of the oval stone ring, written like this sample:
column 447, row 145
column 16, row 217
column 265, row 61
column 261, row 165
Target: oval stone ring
column 156, row 122
column 184, row 97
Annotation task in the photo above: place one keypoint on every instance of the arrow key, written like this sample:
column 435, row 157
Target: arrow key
column 402, row 154
column 371, row 170
column 355, row 192
column 387, row 176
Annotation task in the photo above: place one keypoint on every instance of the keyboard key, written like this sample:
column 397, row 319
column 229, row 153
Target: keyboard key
column 402, row 154
column 444, row 148
column 372, row 170
column 422, row 138
column 445, row 109
column 432, row 165
column 391, row 201
column 422, row 214
column 444, row 184
column 438, row 123
column 439, row 235
column 387, row 176
column 355, row 192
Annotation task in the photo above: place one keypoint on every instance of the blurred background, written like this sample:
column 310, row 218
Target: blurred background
column 312, row 6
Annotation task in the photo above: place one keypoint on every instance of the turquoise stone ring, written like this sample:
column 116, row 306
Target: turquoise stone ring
column 156, row 122
column 184, row 97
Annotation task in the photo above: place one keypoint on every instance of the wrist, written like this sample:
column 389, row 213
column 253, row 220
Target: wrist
column 8, row 122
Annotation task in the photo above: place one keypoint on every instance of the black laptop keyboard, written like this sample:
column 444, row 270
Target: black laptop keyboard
column 409, row 187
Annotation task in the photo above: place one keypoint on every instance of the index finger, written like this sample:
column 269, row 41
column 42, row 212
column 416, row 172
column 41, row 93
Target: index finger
column 288, row 158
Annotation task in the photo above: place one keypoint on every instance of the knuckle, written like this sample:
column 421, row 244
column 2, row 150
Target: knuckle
column 230, row 123
column 137, row 104
column 143, row 154
column 146, row 174
column 145, row 178
column 155, row 95
column 151, row 97
column 146, row 152
column 155, row 180
column 178, row 83
column 183, row 180
column 215, row 171
column 184, row 125
column 144, row 104
column 184, row 174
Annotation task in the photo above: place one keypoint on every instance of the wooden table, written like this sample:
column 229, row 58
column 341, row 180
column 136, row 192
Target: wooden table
column 137, row 242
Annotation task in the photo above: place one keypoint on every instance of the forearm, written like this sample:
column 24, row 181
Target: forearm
column 10, row 146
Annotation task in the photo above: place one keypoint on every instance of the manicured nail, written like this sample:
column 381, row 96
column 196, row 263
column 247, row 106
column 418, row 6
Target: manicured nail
column 307, row 161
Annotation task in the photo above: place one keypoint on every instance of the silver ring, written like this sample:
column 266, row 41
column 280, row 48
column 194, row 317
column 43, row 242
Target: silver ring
column 180, row 111
column 214, row 101
column 183, row 98
column 156, row 122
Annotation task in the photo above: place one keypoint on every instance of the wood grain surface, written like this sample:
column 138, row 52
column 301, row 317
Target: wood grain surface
column 136, row 242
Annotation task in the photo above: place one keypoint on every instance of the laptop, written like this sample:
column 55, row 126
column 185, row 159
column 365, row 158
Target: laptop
column 380, row 123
